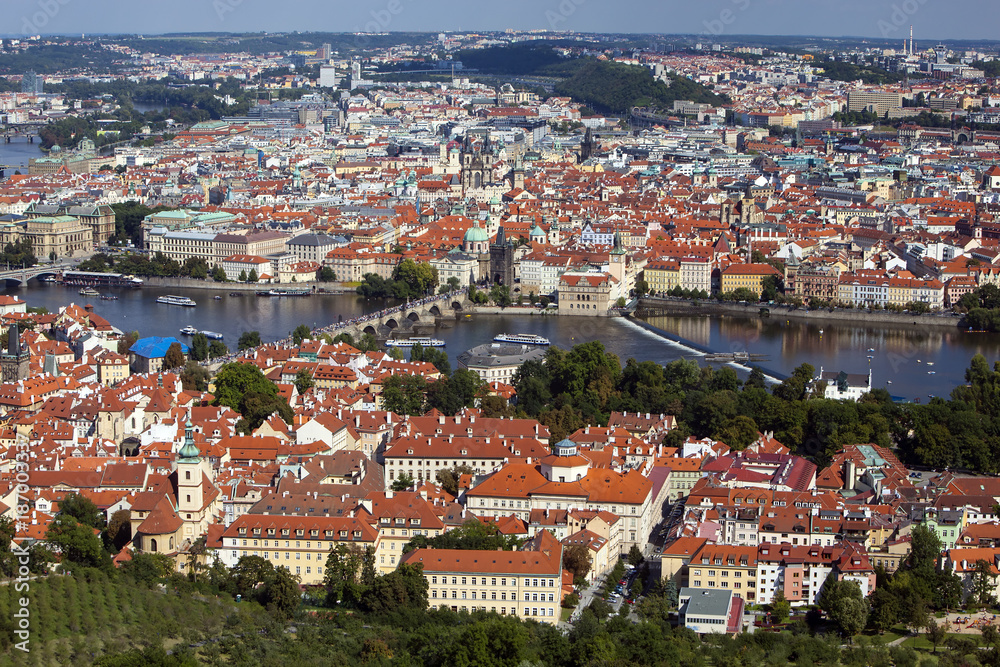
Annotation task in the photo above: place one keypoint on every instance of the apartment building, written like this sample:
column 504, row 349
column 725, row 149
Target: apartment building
column 526, row 583
column 800, row 572
column 398, row 518
column 749, row 276
column 725, row 566
column 586, row 293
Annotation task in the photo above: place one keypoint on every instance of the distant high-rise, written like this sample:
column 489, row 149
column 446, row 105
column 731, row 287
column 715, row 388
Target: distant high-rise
column 328, row 76
column 325, row 52
column 32, row 83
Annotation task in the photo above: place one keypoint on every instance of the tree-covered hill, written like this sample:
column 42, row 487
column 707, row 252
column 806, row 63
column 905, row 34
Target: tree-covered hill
column 610, row 87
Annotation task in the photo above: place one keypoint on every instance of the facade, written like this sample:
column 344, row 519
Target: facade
column 749, row 276
column 526, row 584
column 878, row 101
column 301, row 544
column 15, row 361
column 497, row 362
column 63, row 235
column 587, row 293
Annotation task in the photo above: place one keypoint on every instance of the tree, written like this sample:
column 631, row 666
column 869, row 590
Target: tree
column 195, row 377
column 500, row 295
column 199, row 347
column 248, row 340
column 576, row 559
column 301, row 333
column 217, row 349
column 402, row 483
column 983, row 583
column 303, row 380
column 404, row 394
column 252, row 277
column 148, row 568
column 326, row 275
column 119, row 531
column 635, row 556
column 174, row 358
column 243, row 276
column 780, row 607
column 244, row 388
column 82, row 509
column 850, row 609
column 126, row 342
column 343, row 567
column 936, row 633
column 219, row 275
column 448, row 477
column 884, row 609
column 77, row 542
column 281, row 593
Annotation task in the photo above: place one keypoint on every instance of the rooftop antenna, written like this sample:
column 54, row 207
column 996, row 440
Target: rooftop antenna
column 911, row 39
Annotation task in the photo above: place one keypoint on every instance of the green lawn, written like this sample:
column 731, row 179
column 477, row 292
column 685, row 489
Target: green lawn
column 921, row 643
column 565, row 614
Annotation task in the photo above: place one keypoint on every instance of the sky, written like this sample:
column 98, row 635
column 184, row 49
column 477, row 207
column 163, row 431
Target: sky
column 931, row 19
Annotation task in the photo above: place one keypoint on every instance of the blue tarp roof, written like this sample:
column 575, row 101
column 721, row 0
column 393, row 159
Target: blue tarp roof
column 155, row 347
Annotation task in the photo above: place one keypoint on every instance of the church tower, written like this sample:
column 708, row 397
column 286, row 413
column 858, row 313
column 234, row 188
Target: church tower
column 190, row 476
column 15, row 361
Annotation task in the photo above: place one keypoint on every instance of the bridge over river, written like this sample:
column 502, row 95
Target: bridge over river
column 405, row 318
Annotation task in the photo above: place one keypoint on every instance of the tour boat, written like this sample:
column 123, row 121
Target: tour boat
column 288, row 292
column 172, row 300
column 189, row 330
column 524, row 339
column 211, row 334
column 89, row 291
column 416, row 340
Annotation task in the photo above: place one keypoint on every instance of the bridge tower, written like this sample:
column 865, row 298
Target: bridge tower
column 15, row 361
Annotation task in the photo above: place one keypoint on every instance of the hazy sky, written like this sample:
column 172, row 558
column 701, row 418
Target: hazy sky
column 932, row 19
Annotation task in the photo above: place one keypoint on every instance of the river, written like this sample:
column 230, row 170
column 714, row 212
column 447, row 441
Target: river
column 19, row 151
column 909, row 362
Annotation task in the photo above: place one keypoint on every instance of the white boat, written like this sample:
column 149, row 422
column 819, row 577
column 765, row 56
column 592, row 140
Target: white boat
column 930, row 363
column 211, row 334
column 189, row 330
column 522, row 339
column 416, row 340
column 172, row 300
column 89, row 291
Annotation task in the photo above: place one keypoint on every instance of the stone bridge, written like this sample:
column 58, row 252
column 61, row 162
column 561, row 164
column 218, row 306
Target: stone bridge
column 407, row 318
column 19, row 277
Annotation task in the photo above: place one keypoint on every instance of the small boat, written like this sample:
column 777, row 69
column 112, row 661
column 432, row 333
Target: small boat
column 109, row 297
column 820, row 332
column 211, row 334
column 416, row 340
column 236, row 294
column 523, row 339
column 189, row 330
column 871, row 349
column 288, row 292
column 47, row 279
column 217, row 298
column 931, row 372
column 89, row 291
column 172, row 300
column 930, row 363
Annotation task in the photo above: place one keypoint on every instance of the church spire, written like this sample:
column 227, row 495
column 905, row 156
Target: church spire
column 189, row 452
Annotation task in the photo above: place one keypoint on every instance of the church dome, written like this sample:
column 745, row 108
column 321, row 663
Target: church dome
column 476, row 234
column 536, row 232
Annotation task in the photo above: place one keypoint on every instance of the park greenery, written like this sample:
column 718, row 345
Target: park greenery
column 145, row 265
column 582, row 386
column 18, row 254
column 245, row 389
column 409, row 281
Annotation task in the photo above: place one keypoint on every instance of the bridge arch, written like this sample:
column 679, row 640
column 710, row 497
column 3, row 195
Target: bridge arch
column 392, row 323
column 456, row 305
column 413, row 317
column 370, row 330
column 435, row 311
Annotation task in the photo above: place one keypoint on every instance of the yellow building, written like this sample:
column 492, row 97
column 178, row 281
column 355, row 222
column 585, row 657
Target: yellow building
column 750, row 276
column 301, row 544
column 526, row 583
column 63, row 235
column 662, row 275
column 725, row 566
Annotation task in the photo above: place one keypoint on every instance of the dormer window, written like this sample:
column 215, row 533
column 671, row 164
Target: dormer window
column 343, row 534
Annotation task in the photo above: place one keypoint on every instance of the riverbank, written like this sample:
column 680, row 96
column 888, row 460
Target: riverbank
column 687, row 308
column 196, row 283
